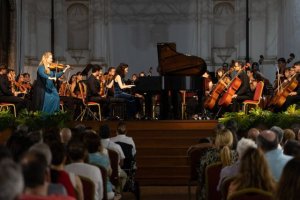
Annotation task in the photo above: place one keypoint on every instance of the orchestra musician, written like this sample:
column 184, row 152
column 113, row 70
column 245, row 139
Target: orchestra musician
column 294, row 96
column 119, row 86
column 8, row 95
column 93, row 85
column 45, row 95
column 244, row 92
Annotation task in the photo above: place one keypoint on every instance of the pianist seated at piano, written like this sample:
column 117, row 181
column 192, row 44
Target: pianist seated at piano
column 119, row 87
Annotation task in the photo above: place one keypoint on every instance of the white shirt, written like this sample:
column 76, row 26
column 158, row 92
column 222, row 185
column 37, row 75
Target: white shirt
column 91, row 172
column 106, row 143
column 125, row 139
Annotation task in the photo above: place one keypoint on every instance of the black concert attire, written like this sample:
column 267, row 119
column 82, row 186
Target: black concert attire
column 129, row 99
column 243, row 93
column 93, row 90
column 6, row 95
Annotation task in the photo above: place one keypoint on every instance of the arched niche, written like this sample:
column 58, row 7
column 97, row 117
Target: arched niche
column 78, row 26
column 223, row 27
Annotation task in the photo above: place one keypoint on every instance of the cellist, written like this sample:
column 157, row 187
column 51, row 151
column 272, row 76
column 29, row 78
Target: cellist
column 244, row 92
column 294, row 96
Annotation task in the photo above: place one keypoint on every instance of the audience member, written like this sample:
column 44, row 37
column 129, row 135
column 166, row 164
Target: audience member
column 233, row 127
column 37, row 177
column 288, row 134
column 11, row 180
column 254, row 173
column 42, row 148
column 292, row 148
column 65, row 135
column 220, row 152
column 279, row 133
column 104, row 133
column 122, row 137
column 289, row 183
column 78, row 154
column 253, row 133
column 70, row 181
column 98, row 155
column 232, row 170
column 268, row 142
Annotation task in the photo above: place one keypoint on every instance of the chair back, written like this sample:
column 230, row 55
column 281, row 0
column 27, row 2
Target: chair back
column 258, row 91
column 194, row 156
column 114, row 162
column 88, row 187
column 251, row 193
column 129, row 158
column 212, row 176
column 225, row 186
column 104, row 179
column 83, row 90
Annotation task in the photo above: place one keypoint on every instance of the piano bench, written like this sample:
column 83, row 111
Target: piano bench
column 117, row 107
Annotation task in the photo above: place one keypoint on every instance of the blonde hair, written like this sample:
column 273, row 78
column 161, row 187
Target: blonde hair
column 224, row 140
column 44, row 61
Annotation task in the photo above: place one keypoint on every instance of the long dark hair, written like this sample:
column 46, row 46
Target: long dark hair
column 121, row 70
column 289, row 183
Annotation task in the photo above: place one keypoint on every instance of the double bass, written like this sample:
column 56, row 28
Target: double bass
column 234, row 85
column 217, row 90
column 283, row 91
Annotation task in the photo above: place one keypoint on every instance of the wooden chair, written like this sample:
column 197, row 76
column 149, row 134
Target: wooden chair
column 7, row 105
column 251, row 193
column 194, row 154
column 114, row 162
column 87, row 105
column 212, row 177
column 104, row 179
column 225, row 186
column 88, row 188
column 256, row 98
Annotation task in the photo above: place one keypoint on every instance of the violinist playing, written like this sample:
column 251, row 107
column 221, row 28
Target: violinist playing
column 244, row 91
column 294, row 96
column 45, row 95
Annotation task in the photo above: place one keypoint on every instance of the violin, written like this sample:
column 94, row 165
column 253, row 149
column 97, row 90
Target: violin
column 56, row 66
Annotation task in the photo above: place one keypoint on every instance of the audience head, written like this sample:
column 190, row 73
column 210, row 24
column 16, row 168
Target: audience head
column 223, row 141
column 43, row 149
column 58, row 152
column 92, row 142
column 77, row 151
column 288, row 134
column 292, row 148
column 267, row 140
column 51, row 134
column 104, row 131
column 278, row 131
column 243, row 145
column 254, row 171
column 253, row 133
column 121, row 129
column 35, row 171
column 289, row 183
column 65, row 135
column 11, row 180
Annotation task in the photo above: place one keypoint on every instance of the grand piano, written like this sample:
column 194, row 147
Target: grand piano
column 178, row 72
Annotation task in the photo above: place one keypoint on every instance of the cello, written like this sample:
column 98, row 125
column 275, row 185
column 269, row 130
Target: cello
column 219, row 88
column 283, row 91
column 234, row 85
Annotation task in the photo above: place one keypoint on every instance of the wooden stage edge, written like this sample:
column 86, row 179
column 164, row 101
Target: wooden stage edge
column 154, row 125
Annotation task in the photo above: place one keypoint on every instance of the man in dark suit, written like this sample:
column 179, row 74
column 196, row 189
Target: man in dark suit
column 93, row 85
column 7, row 95
column 244, row 92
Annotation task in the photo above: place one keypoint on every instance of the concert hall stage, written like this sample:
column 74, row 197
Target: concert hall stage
column 162, row 146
